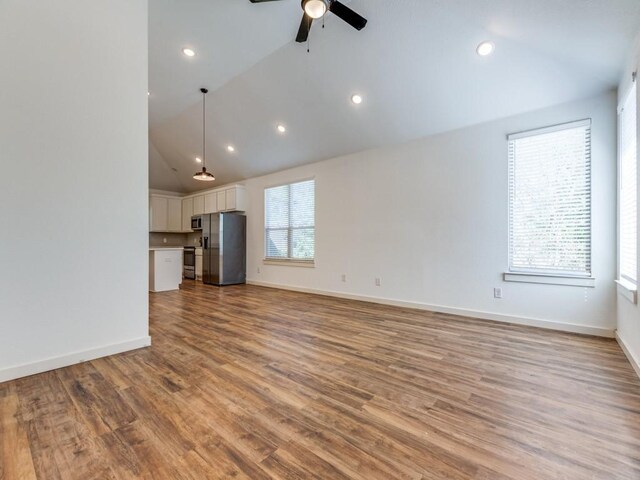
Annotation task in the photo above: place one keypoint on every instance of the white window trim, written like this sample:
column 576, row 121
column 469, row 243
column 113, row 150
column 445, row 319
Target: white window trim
column 542, row 277
column 553, row 128
column 549, row 279
column 625, row 287
column 289, row 262
column 627, row 290
column 285, row 261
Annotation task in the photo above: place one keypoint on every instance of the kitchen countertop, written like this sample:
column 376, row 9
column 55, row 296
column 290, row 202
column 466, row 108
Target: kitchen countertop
column 152, row 249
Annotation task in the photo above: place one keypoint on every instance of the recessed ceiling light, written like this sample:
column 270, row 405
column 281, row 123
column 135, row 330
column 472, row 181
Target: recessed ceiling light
column 148, row 93
column 281, row 128
column 231, row 148
column 198, row 159
column 188, row 52
column 357, row 99
column 485, row 48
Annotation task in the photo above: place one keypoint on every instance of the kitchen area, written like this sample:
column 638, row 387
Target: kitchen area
column 199, row 237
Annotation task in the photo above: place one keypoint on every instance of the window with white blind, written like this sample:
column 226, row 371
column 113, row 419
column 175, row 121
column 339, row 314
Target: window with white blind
column 550, row 201
column 627, row 195
column 290, row 222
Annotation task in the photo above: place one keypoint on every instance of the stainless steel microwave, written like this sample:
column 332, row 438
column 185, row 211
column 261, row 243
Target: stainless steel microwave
column 196, row 222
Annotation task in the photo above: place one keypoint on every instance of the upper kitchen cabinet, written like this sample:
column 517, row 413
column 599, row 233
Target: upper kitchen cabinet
column 229, row 199
column 174, row 214
column 187, row 213
column 221, row 200
column 233, row 199
column 158, row 209
column 236, row 199
column 165, row 213
column 198, row 205
column 210, row 203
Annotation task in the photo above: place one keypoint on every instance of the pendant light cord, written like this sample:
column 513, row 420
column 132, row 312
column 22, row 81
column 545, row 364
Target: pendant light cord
column 204, row 129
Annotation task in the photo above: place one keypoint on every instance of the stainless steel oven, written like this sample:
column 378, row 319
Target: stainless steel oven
column 189, row 263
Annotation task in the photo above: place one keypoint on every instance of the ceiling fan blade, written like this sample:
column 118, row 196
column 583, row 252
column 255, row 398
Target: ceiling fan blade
column 303, row 31
column 345, row 13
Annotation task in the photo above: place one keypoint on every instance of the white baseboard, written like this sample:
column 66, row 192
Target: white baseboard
column 635, row 363
column 497, row 317
column 40, row 366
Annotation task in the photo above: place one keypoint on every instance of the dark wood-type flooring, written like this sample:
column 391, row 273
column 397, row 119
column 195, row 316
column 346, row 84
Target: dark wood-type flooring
column 252, row 383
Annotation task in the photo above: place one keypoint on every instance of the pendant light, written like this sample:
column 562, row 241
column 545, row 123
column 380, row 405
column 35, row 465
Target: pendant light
column 204, row 176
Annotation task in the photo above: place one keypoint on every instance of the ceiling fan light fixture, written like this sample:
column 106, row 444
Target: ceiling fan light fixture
column 315, row 8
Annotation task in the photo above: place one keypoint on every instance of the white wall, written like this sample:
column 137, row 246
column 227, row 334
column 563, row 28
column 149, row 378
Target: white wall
column 73, row 152
column 430, row 218
column 629, row 314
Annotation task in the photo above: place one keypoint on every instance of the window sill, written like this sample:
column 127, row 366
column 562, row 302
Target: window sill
column 289, row 263
column 627, row 290
column 550, row 279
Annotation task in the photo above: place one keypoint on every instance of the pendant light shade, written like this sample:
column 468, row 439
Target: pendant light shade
column 203, row 175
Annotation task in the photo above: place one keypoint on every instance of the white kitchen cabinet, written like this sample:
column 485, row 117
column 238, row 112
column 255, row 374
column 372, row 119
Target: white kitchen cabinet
column 236, row 199
column 165, row 269
column 221, row 200
column 230, row 198
column 241, row 199
column 210, row 203
column 187, row 212
column 174, row 214
column 198, row 263
column 165, row 213
column 198, row 205
column 158, row 209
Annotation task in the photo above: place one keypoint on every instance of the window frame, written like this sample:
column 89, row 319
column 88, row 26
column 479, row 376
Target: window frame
column 289, row 261
column 627, row 287
column 542, row 277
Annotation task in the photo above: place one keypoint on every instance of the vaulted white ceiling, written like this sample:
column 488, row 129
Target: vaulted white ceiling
column 415, row 65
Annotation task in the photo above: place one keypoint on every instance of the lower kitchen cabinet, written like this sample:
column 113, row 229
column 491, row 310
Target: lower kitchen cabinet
column 199, row 263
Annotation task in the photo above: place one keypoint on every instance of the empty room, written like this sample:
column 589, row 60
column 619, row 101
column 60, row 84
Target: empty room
column 319, row 239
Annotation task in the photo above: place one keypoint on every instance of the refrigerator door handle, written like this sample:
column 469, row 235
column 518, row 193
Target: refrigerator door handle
column 205, row 242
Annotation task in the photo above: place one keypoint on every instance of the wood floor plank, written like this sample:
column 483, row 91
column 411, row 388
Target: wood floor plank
column 15, row 454
column 251, row 383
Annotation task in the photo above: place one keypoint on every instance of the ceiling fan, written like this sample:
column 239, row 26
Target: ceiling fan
column 314, row 9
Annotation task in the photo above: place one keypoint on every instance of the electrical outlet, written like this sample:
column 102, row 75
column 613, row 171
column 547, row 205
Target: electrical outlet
column 258, row 269
column 497, row 293
column 344, row 277
column 378, row 282
column 164, row 240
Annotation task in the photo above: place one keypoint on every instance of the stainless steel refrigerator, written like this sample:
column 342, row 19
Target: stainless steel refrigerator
column 224, row 252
